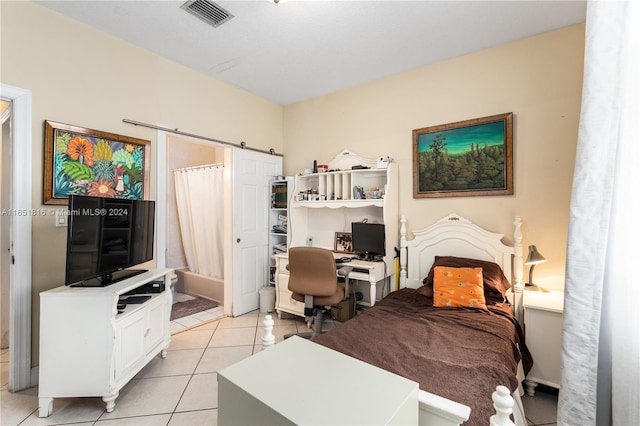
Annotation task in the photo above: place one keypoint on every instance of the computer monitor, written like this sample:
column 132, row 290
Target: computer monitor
column 368, row 240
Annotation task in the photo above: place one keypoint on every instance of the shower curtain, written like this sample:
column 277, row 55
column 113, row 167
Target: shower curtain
column 199, row 199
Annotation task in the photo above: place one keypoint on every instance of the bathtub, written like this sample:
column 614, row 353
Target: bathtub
column 200, row 285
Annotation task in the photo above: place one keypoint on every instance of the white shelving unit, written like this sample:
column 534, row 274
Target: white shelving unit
column 90, row 348
column 279, row 235
column 325, row 203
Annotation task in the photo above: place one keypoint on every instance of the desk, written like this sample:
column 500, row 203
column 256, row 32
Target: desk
column 375, row 272
column 300, row 382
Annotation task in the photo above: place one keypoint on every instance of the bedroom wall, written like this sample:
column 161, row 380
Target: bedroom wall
column 539, row 79
column 87, row 78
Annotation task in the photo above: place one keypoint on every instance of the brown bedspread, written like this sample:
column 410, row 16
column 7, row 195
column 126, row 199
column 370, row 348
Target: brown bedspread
column 459, row 354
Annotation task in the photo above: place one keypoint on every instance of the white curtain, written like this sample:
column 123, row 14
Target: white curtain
column 199, row 198
column 601, row 331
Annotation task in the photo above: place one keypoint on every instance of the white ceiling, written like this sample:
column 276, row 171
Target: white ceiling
column 297, row 49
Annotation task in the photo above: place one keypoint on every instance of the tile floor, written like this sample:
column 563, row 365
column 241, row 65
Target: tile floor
column 182, row 389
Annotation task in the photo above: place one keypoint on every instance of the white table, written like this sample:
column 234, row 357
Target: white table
column 300, row 382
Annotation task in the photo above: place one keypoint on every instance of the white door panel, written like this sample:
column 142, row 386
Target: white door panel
column 251, row 175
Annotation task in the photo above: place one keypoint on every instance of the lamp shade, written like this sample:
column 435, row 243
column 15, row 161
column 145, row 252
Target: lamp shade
column 534, row 257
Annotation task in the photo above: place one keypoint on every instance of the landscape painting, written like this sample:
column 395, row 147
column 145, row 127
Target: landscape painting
column 466, row 158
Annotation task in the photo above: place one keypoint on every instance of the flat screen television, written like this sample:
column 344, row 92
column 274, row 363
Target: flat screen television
column 105, row 236
column 368, row 240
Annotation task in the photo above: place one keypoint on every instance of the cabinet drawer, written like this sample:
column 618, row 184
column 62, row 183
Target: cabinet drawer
column 287, row 303
column 282, row 265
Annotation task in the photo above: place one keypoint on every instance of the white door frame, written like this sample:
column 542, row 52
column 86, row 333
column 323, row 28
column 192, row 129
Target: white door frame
column 20, row 270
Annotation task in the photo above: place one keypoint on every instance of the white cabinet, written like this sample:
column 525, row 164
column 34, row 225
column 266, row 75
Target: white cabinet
column 90, row 348
column 543, row 330
column 279, row 235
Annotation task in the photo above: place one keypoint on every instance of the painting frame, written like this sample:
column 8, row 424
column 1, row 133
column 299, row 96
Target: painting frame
column 489, row 173
column 343, row 243
column 74, row 155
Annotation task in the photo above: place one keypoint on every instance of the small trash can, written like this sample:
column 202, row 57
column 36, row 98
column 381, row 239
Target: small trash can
column 267, row 299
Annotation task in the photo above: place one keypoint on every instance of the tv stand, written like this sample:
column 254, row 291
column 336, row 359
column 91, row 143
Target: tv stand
column 88, row 348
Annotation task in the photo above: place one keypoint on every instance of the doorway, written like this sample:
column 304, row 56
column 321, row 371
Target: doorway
column 247, row 177
column 19, row 228
column 192, row 291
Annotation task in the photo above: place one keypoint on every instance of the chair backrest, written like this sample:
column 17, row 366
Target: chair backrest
column 312, row 271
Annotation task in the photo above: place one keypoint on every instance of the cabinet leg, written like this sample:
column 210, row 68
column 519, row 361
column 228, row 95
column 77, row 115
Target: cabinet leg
column 45, row 407
column 531, row 387
column 279, row 314
column 163, row 354
column 110, row 400
column 372, row 293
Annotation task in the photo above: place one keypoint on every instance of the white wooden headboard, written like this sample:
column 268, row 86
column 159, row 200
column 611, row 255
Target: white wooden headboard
column 454, row 235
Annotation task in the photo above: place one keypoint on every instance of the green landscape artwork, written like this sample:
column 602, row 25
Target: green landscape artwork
column 466, row 158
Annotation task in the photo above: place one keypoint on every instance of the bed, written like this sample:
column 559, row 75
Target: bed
column 459, row 356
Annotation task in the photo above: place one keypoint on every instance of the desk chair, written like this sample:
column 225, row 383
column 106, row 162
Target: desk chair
column 313, row 280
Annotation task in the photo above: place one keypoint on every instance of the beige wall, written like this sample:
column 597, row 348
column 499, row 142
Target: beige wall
column 539, row 79
column 83, row 77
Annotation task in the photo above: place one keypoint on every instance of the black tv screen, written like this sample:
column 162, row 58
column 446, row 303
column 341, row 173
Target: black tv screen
column 105, row 236
column 368, row 240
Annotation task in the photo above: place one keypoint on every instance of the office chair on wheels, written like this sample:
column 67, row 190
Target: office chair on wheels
column 313, row 280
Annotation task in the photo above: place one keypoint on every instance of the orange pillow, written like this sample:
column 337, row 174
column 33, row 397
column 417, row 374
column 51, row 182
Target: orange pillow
column 458, row 287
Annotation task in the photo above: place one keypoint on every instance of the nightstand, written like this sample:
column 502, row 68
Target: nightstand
column 543, row 329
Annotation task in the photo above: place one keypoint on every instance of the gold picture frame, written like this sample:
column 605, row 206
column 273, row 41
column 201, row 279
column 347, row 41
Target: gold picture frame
column 83, row 161
column 465, row 158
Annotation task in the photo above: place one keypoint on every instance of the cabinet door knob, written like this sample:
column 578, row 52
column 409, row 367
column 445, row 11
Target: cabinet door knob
column 146, row 333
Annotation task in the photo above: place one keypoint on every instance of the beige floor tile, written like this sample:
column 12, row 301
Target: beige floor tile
column 209, row 325
column 177, row 363
column 157, row 420
column 279, row 331
column 233, row 337
column 215, row 359
column 541, row 409
column 201, row 393
column 191, row 339
column 17, row 406
column 191, row 418
column 149, row 396
column 286, row 319
column 246, row 320
column 69, row 410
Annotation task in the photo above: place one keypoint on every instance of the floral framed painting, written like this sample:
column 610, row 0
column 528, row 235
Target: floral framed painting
column 82, row 161
column 465, row 158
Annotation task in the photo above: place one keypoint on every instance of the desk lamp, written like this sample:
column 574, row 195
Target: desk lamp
column 533, row 259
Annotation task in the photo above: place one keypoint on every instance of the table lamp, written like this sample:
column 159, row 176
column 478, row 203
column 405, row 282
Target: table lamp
column 533, row 259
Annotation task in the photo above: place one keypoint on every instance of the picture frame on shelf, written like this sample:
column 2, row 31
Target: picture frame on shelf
column 83, row 161
column 466, row 158
column 343, row 243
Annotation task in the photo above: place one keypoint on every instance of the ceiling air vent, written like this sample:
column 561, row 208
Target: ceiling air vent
column 208, row 11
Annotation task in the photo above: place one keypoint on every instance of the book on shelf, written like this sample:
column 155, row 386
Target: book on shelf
column 279, row 196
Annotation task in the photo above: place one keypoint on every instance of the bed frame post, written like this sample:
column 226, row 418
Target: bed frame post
column 518, row 286
column 403, row 251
